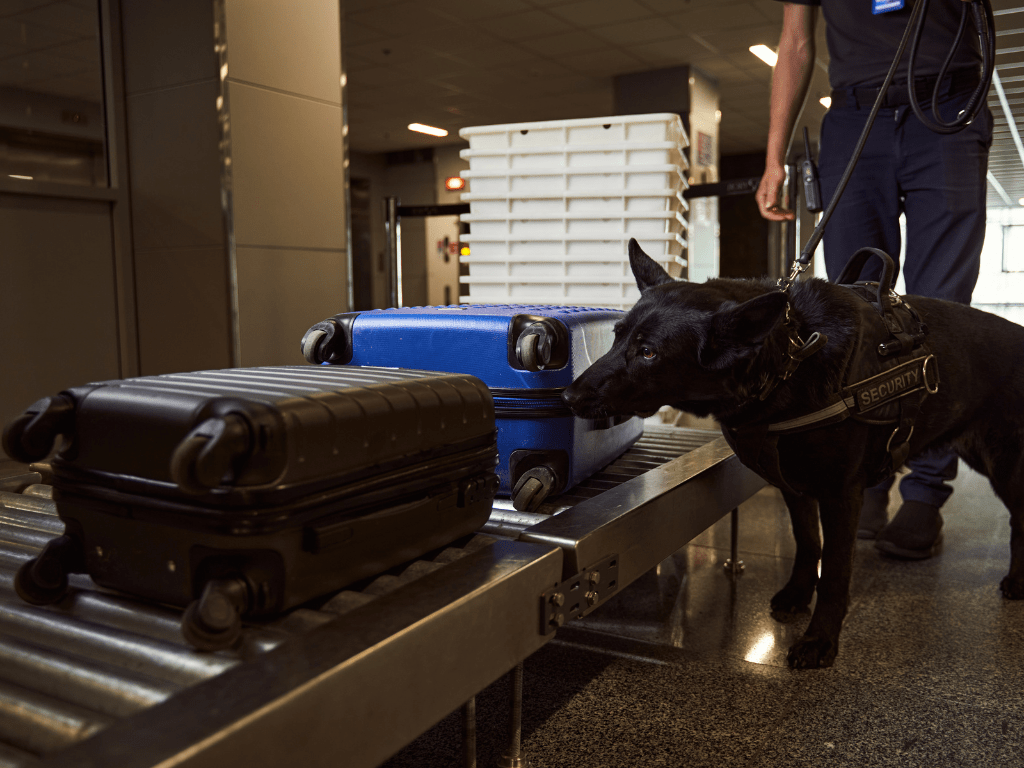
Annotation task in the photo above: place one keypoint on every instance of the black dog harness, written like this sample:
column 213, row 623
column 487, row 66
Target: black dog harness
column 887, row 376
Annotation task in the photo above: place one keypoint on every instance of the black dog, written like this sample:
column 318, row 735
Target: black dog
column 736, row 350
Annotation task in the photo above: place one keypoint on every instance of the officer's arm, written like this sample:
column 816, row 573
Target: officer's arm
column 789, row 87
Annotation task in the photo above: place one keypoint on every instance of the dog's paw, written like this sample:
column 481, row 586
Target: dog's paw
column 1013, row 589
column 791, row 602
column 812, row 653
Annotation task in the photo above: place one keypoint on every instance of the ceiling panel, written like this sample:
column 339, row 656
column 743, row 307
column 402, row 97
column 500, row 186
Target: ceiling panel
column 596, row 13
column 603, row 64
column 566, row 43
column 526, row 25
column 637, row 32
column 482, row 9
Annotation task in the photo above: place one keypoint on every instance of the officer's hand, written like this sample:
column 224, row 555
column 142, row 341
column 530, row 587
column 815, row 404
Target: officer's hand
column 769, row 193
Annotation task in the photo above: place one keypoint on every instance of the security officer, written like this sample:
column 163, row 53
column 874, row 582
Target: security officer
column 936, row 180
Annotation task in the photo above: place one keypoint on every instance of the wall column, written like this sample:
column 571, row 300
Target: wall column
column 693, row 95
column 237, row 164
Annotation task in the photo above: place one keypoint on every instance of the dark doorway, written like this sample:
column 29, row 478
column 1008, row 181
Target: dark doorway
column 362, row 248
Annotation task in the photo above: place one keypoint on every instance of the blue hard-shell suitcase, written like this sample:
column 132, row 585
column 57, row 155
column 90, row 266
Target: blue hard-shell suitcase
column 525, row 354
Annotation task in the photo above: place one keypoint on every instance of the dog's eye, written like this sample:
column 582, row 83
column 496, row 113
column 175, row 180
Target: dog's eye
column 648, row 353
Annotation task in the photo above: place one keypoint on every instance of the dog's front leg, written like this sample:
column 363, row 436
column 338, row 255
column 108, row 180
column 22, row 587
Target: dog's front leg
column 1012, row 585
column 794, row 598
column 820, row 643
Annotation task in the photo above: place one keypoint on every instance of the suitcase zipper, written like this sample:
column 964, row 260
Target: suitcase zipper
column 250, row 512
column 542, row 404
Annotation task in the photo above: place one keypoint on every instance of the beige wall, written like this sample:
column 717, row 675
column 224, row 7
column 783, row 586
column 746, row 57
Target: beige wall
column 238, row 285
column 57, row 298
column 282, row 92
column 178, row 227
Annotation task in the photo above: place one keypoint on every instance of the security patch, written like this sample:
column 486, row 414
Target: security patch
column 895, row 383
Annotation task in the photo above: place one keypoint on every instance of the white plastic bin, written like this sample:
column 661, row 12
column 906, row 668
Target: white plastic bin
column 597, row 179
column 605, row 203
column 586, row 131
column 593, row 246
column 577, row 225
column 576, row 156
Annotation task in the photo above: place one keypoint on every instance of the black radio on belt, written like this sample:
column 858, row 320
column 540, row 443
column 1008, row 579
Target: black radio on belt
column 809, row 176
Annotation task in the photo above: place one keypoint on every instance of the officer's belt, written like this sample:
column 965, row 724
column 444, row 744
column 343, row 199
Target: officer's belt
column 960, row 81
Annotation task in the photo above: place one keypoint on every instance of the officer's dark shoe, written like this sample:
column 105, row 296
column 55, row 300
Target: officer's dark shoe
column 914, row 533
column 874, row 513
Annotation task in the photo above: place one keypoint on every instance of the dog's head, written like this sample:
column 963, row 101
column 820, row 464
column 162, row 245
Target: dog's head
column 691, row 346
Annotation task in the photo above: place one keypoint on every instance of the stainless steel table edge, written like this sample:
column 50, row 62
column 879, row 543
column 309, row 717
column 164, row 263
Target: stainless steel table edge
column 649, row 517
column 357, row 689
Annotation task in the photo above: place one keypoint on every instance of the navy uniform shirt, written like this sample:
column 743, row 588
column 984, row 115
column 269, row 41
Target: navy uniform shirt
column 861, row 45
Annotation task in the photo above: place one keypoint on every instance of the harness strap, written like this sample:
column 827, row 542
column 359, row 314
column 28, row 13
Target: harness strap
column 873, row 392
column 830, row 414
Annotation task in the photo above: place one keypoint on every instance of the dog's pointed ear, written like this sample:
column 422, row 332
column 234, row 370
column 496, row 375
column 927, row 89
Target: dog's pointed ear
column 646, row 270
column 737, row 332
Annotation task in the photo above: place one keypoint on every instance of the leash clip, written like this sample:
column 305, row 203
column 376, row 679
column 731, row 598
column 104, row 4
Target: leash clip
column 799, row 350
column 795, row 272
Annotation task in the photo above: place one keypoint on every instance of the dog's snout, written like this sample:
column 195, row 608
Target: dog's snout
column 570, row 396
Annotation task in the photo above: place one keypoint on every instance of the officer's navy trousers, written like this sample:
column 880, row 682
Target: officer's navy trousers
column 939, row 182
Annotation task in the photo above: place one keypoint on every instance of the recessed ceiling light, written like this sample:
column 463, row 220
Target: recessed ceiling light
column 765, row 54
column 826, row 101
column 429, row 129
column 1021, row 201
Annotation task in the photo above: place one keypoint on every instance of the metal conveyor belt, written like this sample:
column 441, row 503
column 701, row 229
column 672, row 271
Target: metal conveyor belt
column 103, row 679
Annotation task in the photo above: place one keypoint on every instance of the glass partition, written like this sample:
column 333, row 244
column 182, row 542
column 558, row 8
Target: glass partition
column 51, row 92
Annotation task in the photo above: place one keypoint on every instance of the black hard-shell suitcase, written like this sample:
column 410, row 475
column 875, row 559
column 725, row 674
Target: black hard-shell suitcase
column 245, row 492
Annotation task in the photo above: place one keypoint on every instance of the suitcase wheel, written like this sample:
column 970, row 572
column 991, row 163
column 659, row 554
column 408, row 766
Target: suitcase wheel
column 330, row 341
column 43, row 580
column 208, row 452
column 532, row 488
column 214, row 621
column 310, row 344
column 534, row 349
column 541, row 343
column 30, row 436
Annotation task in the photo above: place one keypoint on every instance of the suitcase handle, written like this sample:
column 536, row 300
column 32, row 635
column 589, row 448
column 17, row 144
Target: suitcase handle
column 209, row 452
column 30, row 436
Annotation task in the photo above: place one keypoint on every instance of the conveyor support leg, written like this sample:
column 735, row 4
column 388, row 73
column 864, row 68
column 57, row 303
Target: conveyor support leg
column 514, row 758
column 734, row 566
column 469, row 733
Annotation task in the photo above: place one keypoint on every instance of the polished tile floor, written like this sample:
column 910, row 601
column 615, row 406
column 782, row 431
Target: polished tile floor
column 686, row 667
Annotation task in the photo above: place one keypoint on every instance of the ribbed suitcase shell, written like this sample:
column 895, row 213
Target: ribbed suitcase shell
column 480, row 340
column 351, row 471
column 316, row 425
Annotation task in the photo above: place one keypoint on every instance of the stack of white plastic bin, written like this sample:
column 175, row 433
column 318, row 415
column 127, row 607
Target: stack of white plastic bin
column 554, row 204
